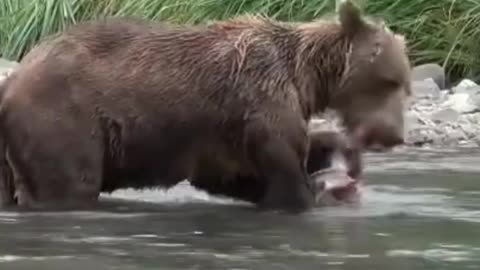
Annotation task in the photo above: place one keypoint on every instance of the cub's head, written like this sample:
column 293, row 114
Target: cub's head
column 375, row 83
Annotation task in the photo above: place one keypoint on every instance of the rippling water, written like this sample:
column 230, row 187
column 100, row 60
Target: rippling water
column 420, row 210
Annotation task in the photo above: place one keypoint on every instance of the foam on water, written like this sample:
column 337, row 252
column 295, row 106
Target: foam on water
column 438, row 254
column 13, row 217
column 93, row 239
column 377, row 200
column 11, row 258
column 179, row 194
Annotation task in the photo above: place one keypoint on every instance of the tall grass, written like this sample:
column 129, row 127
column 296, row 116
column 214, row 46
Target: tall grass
column 442, row 31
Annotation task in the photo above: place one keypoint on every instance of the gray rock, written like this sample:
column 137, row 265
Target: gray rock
column 473, row 118
column 470, row 132
column 446, row 115
column 476, row 140
column 449, row 134
column 461, row 102
column 444, row 94
column 433, row 71
column 466, row 86
column 426, row 89
column 412, row 120
column 474, row 99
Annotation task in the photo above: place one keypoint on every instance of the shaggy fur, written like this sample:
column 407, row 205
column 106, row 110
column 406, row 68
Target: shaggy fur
column 124, row 103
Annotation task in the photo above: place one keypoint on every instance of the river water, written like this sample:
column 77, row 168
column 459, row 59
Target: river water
column 420, row 210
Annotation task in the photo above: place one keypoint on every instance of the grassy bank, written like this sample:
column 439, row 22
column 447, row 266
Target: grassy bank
column 442, row 31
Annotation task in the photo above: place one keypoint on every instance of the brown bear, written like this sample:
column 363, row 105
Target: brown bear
column 331, row 156
column 120, row 103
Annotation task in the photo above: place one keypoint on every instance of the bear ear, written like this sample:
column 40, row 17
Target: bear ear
column 350, row 17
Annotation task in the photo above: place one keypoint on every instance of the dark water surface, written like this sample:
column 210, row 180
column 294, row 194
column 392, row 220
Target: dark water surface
column 420, row 210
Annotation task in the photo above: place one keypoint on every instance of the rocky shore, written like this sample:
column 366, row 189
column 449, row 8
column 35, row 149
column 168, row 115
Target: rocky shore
column 437, row 116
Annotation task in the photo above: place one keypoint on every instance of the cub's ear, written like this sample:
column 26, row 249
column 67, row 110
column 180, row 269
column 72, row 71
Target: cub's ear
column 350, row 17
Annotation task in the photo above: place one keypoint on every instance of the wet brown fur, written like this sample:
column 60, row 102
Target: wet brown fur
column 123, row 103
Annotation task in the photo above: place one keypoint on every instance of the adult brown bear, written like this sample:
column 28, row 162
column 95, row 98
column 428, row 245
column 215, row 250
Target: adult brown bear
column 123, row 103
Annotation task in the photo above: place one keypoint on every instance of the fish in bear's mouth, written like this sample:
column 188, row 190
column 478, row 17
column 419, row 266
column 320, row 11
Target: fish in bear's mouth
column 334, row 186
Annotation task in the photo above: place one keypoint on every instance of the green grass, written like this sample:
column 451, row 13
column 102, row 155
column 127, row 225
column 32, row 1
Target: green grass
column 442, row 31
